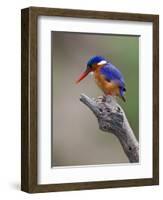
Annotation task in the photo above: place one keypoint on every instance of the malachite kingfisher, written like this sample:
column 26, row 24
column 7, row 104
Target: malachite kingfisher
column 107, row 76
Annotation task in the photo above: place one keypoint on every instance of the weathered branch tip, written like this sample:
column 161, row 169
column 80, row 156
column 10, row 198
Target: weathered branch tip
column 112, row 119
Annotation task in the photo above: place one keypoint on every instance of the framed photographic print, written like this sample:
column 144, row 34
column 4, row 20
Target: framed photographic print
column 90, row 99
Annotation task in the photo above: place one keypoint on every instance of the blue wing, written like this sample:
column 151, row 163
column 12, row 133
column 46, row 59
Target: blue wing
column 111, row 73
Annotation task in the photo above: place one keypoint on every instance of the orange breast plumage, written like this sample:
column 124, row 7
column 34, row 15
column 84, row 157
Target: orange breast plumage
column 110, row 88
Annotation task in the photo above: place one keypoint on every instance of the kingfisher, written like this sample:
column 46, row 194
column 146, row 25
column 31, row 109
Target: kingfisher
column 107, row 76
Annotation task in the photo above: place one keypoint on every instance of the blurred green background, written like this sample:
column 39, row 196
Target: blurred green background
column 76, row 138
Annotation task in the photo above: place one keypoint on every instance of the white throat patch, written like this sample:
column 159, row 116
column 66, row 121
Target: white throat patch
column 102, row 62
column 91, row 73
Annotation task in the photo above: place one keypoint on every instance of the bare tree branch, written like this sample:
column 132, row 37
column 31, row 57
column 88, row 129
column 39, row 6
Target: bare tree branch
column 112, row 119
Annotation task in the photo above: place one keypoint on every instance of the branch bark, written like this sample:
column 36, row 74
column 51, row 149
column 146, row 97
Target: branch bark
column 112, row 119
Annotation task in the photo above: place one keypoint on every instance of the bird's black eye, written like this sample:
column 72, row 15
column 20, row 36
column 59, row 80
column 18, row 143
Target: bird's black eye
column 89, row 66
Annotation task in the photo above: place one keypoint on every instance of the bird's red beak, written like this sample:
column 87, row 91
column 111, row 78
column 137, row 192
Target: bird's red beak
column 83, row 75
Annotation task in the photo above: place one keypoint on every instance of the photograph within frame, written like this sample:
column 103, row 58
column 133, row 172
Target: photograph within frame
column 76, row 138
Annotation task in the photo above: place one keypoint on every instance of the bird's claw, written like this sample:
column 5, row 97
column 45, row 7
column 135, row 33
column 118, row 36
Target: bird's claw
column 101, row 99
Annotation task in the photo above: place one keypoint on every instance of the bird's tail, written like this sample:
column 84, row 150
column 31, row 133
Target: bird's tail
column 122, row 91
column 123, row 98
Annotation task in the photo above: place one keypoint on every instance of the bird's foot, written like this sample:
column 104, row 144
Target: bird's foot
column 109, row 98
column 101, row 99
